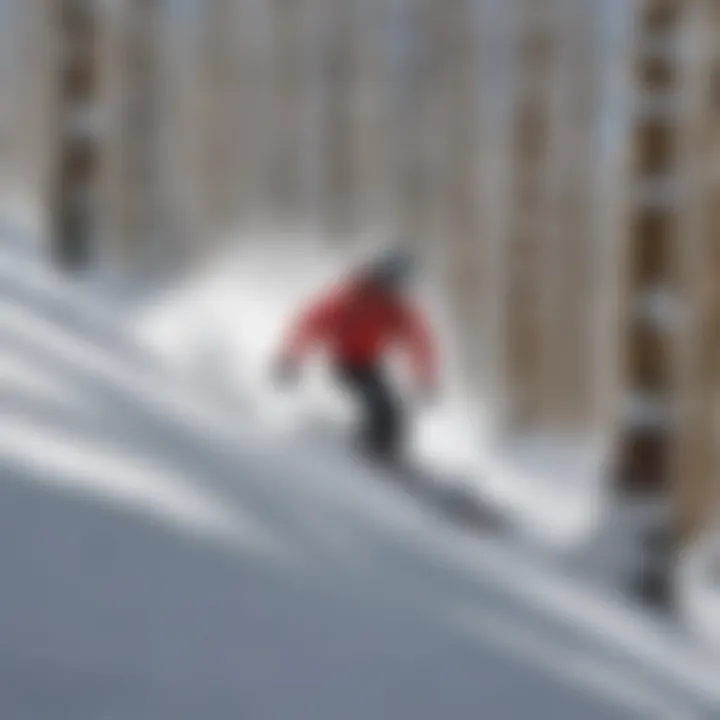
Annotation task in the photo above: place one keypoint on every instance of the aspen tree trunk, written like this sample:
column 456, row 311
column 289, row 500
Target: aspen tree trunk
column 694, row 463
column 371, row 110
column 289, row 71
column 342, row 75
column 254, row 100
column 417, row 133
column 221, row 79
column 77, row 151
column 675, row 248
column 528, row 224
column 653, row 234
column 463, row 243
column 27, row 106
column 139, row 182
column 573, row 277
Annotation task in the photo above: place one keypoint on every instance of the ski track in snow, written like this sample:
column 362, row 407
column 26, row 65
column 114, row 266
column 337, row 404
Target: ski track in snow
column 165, row 558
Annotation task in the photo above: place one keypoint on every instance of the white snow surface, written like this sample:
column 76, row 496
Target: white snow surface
column 166, row 555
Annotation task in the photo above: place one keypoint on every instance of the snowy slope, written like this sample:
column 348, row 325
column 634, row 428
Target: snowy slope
column 165, row 557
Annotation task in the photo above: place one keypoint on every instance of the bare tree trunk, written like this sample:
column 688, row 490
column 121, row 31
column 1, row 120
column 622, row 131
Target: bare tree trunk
column 341, row 75
column 372, row 119
column 695, row 465
column 26, row 109
column 77, row 153
column 140, row 185
column 574, row 278
column 252, row 114
column 418, row 112
column 653, row 233
column 290, row 62
column 527, row 237
column 672, row 360
column 462, row 242
column 220, row 111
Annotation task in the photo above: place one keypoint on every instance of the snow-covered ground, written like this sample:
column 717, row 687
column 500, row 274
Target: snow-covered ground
column 167, row 555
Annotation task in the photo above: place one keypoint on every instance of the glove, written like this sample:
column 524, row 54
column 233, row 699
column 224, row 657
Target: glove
column 285, row 372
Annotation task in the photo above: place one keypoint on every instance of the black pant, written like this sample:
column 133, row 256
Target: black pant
column 382, row 424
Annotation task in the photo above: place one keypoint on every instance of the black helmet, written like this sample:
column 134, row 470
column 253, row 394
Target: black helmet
column 394, row 267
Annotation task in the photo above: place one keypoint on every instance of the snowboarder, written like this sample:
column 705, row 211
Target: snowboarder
column 358, row 322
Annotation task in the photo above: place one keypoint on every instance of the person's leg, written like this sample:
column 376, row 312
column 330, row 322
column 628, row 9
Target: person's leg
column 387, row 421
column 382, row 431
column 354, row 379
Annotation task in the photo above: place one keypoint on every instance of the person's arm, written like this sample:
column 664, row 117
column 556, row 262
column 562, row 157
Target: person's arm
column 311, row 327
column 418, row 339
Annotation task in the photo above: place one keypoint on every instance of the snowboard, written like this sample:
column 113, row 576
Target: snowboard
column 452, row 497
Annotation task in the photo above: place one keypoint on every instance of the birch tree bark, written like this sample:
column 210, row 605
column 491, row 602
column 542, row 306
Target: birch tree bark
column 694, row 465
column 461, row 243
column 76, row 155
column 655, row 214
column 573, row 279
column 416, row 99
column 526, row 247
column 290, row 56
column 341, row 73
column 221, row 110
column 140, row 220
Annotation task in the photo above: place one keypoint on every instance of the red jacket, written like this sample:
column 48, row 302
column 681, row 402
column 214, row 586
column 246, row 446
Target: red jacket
column 357, row 325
